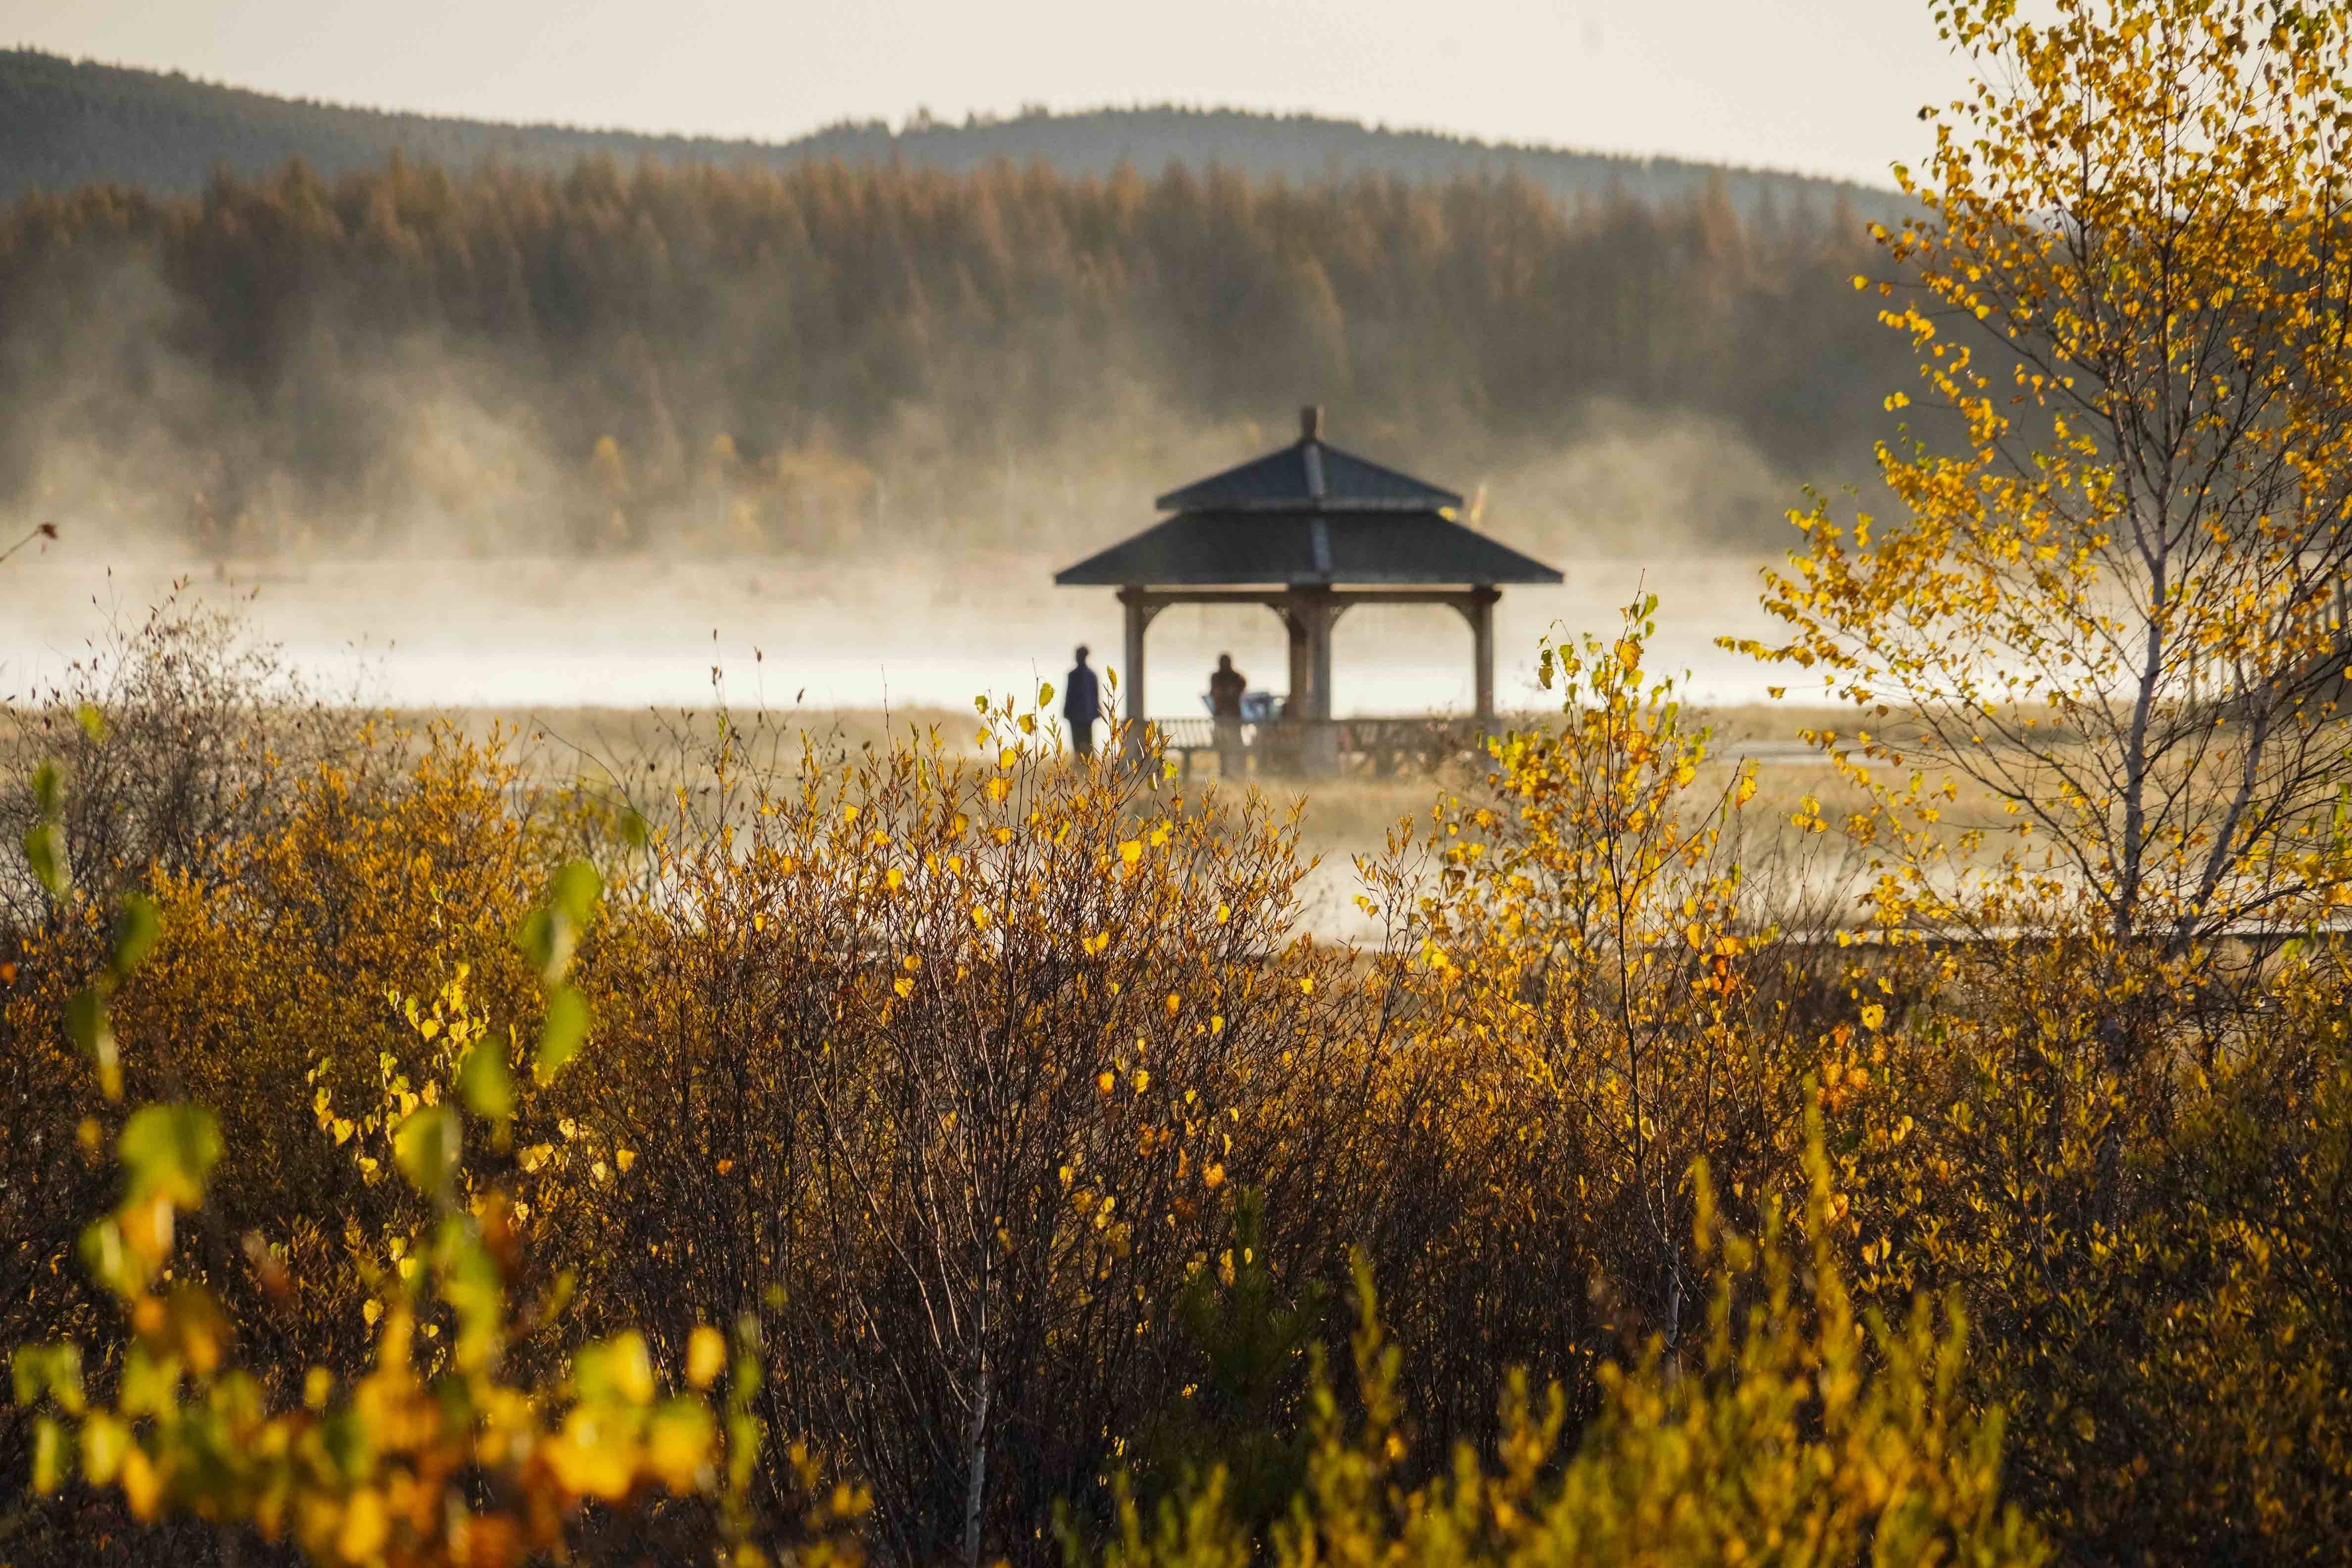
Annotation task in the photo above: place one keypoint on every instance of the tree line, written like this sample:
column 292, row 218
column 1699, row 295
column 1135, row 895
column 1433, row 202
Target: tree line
column 66, row 124
column 837, row 357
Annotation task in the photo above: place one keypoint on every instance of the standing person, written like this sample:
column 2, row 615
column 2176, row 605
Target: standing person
column 1225, row 689
column 1082, row 705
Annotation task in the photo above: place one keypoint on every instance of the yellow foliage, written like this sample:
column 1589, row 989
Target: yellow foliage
column 1803, row 1431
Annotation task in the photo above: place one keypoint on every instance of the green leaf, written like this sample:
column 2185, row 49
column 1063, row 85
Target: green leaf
column 65, row 1378
column 150, row 1383
column 104, row 1443
column 554, row 929
column 45, row 852
column 110, row 1261
column 137, row 925
column 426, row 1145
column 168, row 1149
column 86, row 1019
column 52, row 1369
column 566, row 1029
column 486, row 1079
column 92, row 722
column 475, row 1290
column 574, row 891
column 48, row 1456
column 539, row 939
column 349, row 1442
column 48, row 791
column 616, row 1370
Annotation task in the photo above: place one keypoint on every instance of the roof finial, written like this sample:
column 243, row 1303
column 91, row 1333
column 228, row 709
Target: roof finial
column 1310, row 422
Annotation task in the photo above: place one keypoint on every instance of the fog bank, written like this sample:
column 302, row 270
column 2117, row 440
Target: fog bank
column 517, row 633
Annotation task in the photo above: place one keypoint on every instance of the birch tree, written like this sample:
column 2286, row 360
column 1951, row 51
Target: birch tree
column 2109, row 605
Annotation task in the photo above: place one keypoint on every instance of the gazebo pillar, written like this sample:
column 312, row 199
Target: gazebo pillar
column 1323, row 613
column 1139, row 614
column 1309, row 613
column 1479, row 611
column 1302, row 657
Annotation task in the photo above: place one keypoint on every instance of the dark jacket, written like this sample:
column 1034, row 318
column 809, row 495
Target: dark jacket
column 1226, row 689
column 1082, row 697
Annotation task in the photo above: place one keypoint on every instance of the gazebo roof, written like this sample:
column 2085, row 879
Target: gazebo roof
column 1372, row 547
column 1308, row 475
column 1309, row 513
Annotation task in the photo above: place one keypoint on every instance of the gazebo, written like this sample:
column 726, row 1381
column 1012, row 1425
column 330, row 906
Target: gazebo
column 1310, row 531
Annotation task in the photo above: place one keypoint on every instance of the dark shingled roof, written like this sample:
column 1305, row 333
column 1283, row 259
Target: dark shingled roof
column 1307, row 515
column 1308, row 474
column 1372, row 547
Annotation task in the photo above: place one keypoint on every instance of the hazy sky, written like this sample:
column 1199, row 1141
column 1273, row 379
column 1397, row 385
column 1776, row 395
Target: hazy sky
column 1822, row 86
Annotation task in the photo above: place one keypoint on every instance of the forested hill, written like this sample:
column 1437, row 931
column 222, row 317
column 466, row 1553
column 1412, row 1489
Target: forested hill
column 66, row 124
column 846, row 358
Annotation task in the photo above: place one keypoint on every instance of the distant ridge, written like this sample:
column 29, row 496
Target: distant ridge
column 67, row 123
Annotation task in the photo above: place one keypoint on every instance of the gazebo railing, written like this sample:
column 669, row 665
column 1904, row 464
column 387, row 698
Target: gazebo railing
column 1378, row 746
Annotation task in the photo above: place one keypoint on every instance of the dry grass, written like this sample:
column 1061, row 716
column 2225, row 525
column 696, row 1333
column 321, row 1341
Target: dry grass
column 625, row 735
column 649, row 749
column 643, row 755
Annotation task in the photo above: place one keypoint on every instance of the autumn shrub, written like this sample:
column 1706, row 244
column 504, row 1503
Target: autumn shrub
column 943, row 1071
column 276, row 993
column 2103, row 1149
column 1801, row 1433
column 2163, row 1323
column 181, row 733
column 282, row 995
column 942, row 1074
column 1599, row 990
column 1250, row 1340
column 432, row 1454
column 181, row 757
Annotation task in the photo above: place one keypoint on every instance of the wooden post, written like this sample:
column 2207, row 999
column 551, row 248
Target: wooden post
column 1139, row 619
column 1482, row 638
column 1320, row 753
column 1308, row 612
column 1302, row 665
column 1320, row 615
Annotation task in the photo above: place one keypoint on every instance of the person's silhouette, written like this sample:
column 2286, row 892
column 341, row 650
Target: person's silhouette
column 1225, row 689
column 1082, row 705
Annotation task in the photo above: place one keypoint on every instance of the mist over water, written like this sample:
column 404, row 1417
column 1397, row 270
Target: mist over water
column 517, row 633
column 505, row 439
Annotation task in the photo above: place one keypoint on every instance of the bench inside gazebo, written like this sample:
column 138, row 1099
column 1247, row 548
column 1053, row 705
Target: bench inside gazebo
column 1311, row 532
